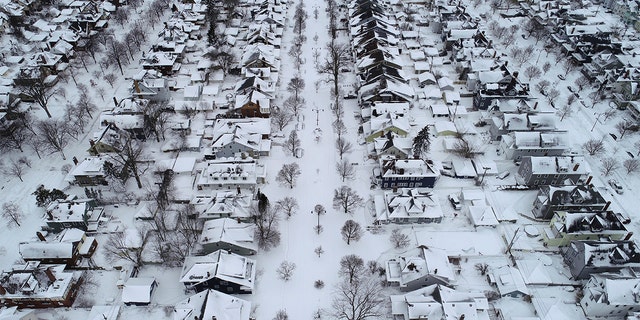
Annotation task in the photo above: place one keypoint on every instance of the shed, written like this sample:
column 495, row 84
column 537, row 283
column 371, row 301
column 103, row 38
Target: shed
column 138, row 291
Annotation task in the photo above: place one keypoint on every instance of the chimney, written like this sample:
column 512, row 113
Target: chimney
column 575, row 168
column 40, row 236
column 589, row 180
column 115, row 101
column 50, row 274
column 606, row 206
column 49, row 215
column 136, row 86
column 2, row 290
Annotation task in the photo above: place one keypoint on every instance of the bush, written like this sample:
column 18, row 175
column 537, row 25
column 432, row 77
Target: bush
column 319, row 284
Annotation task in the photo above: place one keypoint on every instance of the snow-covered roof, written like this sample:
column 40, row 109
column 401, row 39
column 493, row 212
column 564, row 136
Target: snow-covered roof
column 417, row 263
column 138, row 290
column 221, row 264
column 229, row 231
column 212, row 304
column 509, row 281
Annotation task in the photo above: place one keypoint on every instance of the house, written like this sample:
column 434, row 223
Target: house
column 219, row 127
column 419, row 267
column 408, row 173
column 587, row 257
column 379, row 126
column 164, row 62
column 72, row 212
column 516, row 122
column 224, row 204
column 565, row 227
column 407, row 206
column 212, row 304
column 69, row 247
column 128, row 114
column 567, row 198
column 221, row 270
column 390, row 146
column 516, row 145
column 137, row 291
column 505, row 87
column 239, row 143
column 559, row 170
column 609, row 295
column 231, row 173
column 508, row 281
column 439, row 302
column 482, row 215
column 109, row 139
column 150, row 85
column 229, row 235
column 89, row 172
column 35, row 286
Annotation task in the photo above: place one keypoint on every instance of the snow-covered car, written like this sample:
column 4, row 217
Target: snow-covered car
column 616, row 186
column 455, row 202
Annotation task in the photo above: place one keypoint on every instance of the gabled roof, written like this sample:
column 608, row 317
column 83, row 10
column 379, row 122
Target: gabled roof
column 212, row 304
column 222, row 265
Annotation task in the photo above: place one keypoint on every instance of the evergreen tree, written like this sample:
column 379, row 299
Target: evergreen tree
column 421, row 143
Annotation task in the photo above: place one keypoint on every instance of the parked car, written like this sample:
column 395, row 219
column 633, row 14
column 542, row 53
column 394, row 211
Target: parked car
column 350, row 95
column 502, row 175
column 616, row 186
column 455, row 202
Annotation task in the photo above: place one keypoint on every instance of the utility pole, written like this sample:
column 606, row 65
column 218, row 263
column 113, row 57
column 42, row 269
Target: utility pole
column 317, row 110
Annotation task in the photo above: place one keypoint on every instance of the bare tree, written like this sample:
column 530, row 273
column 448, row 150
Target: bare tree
column 351, row 231
column 623, row 126
column 285, row 271
column 128, row 158
column 552, row 95
column 483, row 268
column 294, row 104
column 336, row 59
column 339, row 127
column 609, row 165
column 565, row 111
column 267, row 223
column 319, row 210
column 346, row 199
column 359, row 300
column 16, row 168
column 318, row 250
column 593, row 146
column 54, row 135
column 288, row 205
column 542, row 86
column 12, row 213
column 637, row 146
column 38, row 88
column 84, row 104
column 581, row 83
column 568, row 66
column 351, row 267
column 118, row 246
column 532, row 72
column 464, row 148
column 343, row 146
column 399, row 239
column 345, row 169
column 295, row 86
column 293, row 143
column 281, row 315
column 110, row 78
column 631, row 165
column 289, row 174
column 280, row 117
column 546, row 67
